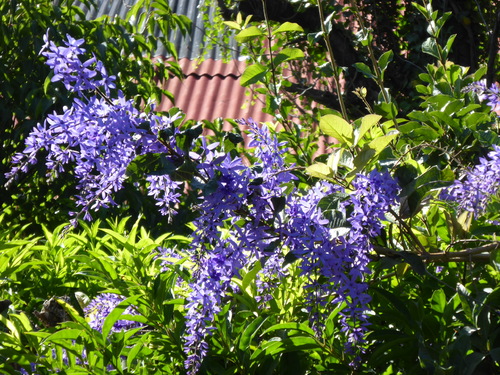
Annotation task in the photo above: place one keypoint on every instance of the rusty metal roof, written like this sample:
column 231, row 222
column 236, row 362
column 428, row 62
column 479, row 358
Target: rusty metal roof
column 211, row 90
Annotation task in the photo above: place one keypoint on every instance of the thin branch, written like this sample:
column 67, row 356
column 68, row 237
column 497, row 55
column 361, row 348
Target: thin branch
column 475, row 254
column 332, row 61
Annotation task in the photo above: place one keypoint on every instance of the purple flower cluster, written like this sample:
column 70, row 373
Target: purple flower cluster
column 243, row 199
column 474, row 191
column 371, row 199
column 97, row 136
column 489, row 94
column 165, row 191
column 101, row 306
column 340, row 256
column 76, row 75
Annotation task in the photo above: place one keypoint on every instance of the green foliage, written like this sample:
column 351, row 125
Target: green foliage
column 435, row 270
column 96, row 259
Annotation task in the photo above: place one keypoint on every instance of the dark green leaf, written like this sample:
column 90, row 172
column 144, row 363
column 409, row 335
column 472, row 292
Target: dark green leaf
column 250, row 332
column 415, row 261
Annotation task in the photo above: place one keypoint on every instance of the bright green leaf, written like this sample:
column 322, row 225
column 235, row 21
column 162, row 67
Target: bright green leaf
column 438, row 301
column 250, row 332
column 288, row 27
column 338, row 128
column 65, row 334
column 385, row 59
column 289, row 54
column 290, row 326
column 371, row 150
column 116, row 314
column 232, row 25
column 253, row 74
column 320, row 170
column 248, row 34
column 367, row 122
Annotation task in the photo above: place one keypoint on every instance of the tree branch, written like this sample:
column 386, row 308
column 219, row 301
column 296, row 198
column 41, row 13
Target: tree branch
column 480, row 254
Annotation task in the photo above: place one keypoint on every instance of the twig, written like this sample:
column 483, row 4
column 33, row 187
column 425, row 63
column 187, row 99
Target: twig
column 475, row 254
column 332, row 61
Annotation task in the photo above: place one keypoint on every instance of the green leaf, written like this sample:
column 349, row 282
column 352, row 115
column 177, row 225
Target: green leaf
column 136, row 349
column 334, row 159
column 320, row 170
column 480, row 73
column 248, row 34
column 495, row 259
column 116, row 314
column 250, row 332
column 287, row 54
column 292, row 344
column 367, row 122
column 371, row 150
column 433, row 178
column 46, row 84
column 65, row 334
column 288, row 27
column 253, row 74
column 385, row 59
column 338, row 128
column 232, row 25
column 464, row 296
column 421, row 133
column 289, row 326
column 331, row 207
column 250, row 276
column 438, row 301
column 493, row 298
column 387, row 110
column 430, row 47
column 365, row 69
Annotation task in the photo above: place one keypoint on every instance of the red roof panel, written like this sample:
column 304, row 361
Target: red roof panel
column 211, row 89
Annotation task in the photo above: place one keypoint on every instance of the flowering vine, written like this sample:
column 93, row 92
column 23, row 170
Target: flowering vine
column 245, row 214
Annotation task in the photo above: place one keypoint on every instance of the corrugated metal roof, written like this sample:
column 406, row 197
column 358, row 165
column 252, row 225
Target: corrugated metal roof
column 212, row 90
column 190, row 46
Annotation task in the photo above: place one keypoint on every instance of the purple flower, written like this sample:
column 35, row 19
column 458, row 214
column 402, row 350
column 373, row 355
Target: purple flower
column 98, row 136
column 101, row 306
column 491, row 95
column 165, row 191
column 474, row 191
column 78, row 76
